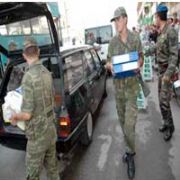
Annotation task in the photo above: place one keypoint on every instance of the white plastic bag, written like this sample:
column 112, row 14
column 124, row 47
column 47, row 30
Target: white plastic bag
column 13, row 102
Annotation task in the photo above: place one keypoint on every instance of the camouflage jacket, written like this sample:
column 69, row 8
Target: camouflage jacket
column 118, row 47
column 167, row 50
column 38, row 100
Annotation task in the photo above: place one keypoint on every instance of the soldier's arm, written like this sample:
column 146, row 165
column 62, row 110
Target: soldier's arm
column 109, row 56
column 28, row 101
column 140, row 52
column 173, row 53
column 20, row 117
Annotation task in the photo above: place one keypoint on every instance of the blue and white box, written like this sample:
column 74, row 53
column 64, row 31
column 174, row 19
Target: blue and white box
column 124, row 65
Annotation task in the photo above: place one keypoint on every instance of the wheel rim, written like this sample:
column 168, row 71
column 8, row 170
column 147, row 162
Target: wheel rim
column 89, row 125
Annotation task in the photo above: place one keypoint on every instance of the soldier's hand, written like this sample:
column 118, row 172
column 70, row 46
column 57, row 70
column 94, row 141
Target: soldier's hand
column 13, row 120
column 137, row 70
column 109, row 67
column 140, row 64
column 166, row 79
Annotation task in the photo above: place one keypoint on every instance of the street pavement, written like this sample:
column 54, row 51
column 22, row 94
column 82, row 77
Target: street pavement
column 102, row 160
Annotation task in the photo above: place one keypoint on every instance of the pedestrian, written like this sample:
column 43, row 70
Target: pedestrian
column 126, row 89
column 134, row 31
column 167, row 58
column 91, row 39
column 12, row 46
column 175, row 23
column 170, row 20
column 37, row 112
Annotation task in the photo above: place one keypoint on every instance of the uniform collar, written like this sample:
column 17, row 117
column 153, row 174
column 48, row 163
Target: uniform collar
column 128, row 37
column 34, row 64
column 164, row 28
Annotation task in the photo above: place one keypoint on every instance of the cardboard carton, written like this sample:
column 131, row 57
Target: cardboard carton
column 124, row 65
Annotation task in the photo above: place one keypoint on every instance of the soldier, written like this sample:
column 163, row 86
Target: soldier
column 38, row 114
column 12, row 46
column 126, row 89
column 167, row 58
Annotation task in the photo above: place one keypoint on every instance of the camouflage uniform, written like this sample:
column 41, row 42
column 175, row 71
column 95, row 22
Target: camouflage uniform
column 40, row 129
column 126, row 89
column 167, row 57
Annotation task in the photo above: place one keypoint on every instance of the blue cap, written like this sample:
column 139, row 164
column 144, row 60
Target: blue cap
column 162, row 8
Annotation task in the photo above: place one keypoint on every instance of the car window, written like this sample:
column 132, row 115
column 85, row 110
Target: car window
column 89, row 64
column 73, row 70
column 96, row 58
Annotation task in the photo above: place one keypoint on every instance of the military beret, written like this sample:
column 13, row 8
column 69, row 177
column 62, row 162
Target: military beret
column 161, row 8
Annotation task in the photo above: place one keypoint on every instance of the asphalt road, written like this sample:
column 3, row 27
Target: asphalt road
column 155, row 159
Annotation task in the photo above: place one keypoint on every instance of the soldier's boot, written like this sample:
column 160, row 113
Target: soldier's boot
column 168, row 133
column 129, row 159
column 124, row 158
column 163, row 128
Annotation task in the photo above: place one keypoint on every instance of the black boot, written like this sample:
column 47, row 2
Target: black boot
column 163, row 128
column 124, row 158
column 168, row 133
column 129, row 159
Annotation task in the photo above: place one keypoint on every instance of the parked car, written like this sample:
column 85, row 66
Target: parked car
column 78, row 73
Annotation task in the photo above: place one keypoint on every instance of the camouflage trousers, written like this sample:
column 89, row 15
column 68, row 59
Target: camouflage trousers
column 165, row 90
column 38, row 153
column 127, row 90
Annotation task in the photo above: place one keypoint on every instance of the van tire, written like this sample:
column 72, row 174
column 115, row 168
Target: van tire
column 87, row 133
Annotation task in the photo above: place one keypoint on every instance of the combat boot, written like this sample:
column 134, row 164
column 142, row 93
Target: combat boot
column 163, row 128
column 129, row 159
column 168, row 133
column 124, row 158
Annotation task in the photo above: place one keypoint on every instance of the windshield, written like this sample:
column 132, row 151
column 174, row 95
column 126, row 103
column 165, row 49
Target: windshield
column 100, row 35
column 12, row 35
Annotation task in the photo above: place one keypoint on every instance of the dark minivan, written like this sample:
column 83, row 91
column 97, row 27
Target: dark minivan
column 78, row 73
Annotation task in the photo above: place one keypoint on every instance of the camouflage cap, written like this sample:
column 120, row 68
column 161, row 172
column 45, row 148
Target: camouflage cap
column 30, row 42
column 120, row 11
